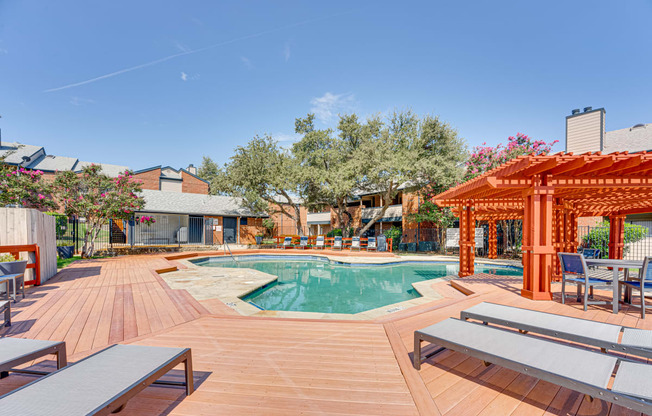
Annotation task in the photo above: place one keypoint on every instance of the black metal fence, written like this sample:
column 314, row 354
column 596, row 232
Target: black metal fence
column 638, row 239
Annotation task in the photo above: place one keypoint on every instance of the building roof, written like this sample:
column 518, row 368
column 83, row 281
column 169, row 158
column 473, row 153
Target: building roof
column 53, row 163
column 15, row 152
column 194, row 204
column 108, row 169
column 632, row 139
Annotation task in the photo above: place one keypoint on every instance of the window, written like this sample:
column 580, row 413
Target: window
column 243, row 221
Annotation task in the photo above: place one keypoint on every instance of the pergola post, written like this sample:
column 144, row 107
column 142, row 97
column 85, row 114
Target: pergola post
column 538, row 249
column 493, row 240
column 559, row 236
column 616, row 236
column 467, row 239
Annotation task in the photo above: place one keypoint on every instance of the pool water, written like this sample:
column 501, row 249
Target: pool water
column 319, row 285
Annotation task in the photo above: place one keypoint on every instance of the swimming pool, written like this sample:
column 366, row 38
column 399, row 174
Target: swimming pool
column 317, row 284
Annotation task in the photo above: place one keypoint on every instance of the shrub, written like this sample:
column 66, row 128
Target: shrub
column 61, row 221
column 598, row 237
column 395, row 234
column 6, row 258
column 338, row 232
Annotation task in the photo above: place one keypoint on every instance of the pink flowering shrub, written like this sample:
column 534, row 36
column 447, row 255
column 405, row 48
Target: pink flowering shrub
column 97, row 198
column 484, row 158
column 25, row 188
column 147, row 220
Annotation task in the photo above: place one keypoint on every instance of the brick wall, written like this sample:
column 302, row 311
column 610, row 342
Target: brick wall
column 285, row 224
column 150, row 179
column 192, row 185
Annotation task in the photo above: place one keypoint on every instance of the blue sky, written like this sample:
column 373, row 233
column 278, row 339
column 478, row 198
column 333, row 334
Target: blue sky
column 147, row 83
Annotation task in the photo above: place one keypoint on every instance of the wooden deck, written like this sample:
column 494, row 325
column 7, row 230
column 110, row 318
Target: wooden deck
column 270, row 366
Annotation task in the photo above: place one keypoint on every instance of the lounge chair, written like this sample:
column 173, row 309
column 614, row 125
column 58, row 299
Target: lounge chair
column 574, row 270
column 355, row 243
column 99, row 384
column 642, row 284
column 319, row 243
column 371, row 244
column 597, row 334
column 5, row 306
column 17, row 351
column 337, row 243
column 575, row 368
column 287, row 242
column 303, row 242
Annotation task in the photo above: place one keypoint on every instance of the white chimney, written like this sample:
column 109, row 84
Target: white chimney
column 585, row 131
column 192, row 169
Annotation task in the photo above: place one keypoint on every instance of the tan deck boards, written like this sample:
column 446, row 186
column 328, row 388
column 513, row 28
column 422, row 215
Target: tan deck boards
column 252, row 365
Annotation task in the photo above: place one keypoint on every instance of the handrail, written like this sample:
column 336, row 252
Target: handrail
column 225, row 246
column 17, row 249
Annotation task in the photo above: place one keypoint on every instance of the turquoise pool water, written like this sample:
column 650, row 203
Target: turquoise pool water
column 315, row 284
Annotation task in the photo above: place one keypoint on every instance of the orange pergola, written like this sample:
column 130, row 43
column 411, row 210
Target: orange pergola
column 550, row 193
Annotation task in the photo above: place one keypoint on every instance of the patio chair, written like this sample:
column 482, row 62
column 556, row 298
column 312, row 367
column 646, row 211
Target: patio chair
column 287, row 242
column 591, row 253
column 303, row 242
column 5, row 306
column 337, row 243
column 575, row 271
column 578, row 369
column 643, row 283
column 371, row 244
column 319, row 243
column 355, row 243
column 17, row 351
column 597, row 334
column 100, row 384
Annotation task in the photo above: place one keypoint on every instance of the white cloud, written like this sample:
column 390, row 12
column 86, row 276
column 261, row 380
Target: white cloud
column 286, row 51
column 184, row 76
column 247, row 62
column 79, row 101
column 286, row 140
column 187, row 77
column 329, row 105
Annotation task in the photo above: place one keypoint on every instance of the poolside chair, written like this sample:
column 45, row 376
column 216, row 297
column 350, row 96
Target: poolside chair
column 355, row 243
column 100, row 384
column 319, row 243
column 17, row 351
column 287, row 242
column 597, row 334
column 575, row 271
column 5, row 306
column 643, row 283
column 578, row 369
column 303, row 242
column 371, row 244
column 337, row 243
column 591, row 253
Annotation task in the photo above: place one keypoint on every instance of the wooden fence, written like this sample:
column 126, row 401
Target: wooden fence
column 23, row 226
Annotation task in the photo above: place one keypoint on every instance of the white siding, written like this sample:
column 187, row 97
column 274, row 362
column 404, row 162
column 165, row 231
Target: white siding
column 171, row 185
column 583, row 132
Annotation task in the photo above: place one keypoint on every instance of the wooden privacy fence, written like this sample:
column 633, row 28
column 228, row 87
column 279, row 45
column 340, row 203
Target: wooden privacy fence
column 28, row 227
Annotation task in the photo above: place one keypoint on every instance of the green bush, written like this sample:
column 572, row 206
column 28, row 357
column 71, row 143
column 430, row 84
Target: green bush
column 395, row 234
column 61, row 221
column 6, row 257
column 598, row 237
column 338, row 232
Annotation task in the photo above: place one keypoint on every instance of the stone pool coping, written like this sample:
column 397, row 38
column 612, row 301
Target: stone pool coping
column 229, row 285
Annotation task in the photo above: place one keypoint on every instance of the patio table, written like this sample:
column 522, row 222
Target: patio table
column 12, row 277
column 615, row 264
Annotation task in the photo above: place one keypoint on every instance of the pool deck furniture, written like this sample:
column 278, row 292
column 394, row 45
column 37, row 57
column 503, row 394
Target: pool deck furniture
column 642, row 282
column 303, row 242
column 17, row 351
column 100, row 384
column 575, row 368
column 337, row 243
column 319, row 242
column 287, row 242
column 16, row 281
column 597, row 334
column 355, row 243
column 5, row 306
column 574, row 270
column 371, row 244
column 615, row 264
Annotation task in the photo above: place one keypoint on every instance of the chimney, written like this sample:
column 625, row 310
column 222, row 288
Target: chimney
column 585, row 131
column 192, row 169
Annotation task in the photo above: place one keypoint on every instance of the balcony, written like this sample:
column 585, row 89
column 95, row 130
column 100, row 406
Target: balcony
column 319, row 218
column 393, row 213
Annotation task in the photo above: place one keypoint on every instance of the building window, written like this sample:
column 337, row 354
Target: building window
column 243, row 221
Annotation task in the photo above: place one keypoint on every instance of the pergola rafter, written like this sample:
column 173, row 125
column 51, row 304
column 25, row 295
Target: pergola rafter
column 550, row 193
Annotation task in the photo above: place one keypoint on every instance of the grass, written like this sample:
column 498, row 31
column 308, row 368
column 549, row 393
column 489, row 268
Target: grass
column 62, row 263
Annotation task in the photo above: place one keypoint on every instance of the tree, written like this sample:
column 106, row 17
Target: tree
column 97, row 198
column 329, row 165
column 266, row 177
column 210, row 171
column 20, row 187
column 409, row 153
